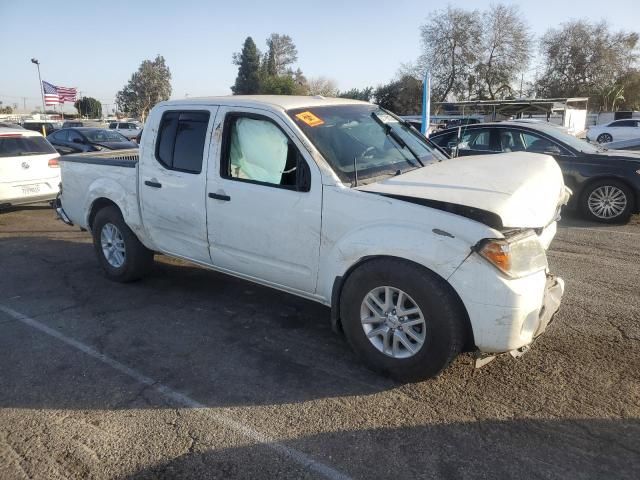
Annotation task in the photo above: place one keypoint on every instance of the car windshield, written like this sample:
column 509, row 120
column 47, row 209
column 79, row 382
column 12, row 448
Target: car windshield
column 364, row 142
column 574, row 142
column 104, row 136
column 18, row 145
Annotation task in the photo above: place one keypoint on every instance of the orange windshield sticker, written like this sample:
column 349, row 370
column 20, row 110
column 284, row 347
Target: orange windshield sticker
column 310, row 119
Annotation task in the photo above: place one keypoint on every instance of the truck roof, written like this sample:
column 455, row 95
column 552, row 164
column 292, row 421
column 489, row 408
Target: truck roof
column 286, row 102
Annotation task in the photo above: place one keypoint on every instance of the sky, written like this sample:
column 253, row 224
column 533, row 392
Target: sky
column 96, row 46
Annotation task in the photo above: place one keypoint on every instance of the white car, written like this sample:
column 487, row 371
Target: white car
column 420, row 257
column 29, row 169
column 128, row 129
column 617, row 130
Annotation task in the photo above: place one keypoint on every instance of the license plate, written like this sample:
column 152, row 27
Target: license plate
column 30, row 189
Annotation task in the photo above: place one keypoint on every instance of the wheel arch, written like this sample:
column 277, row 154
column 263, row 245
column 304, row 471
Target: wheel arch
column 97, row 205
column 340, row 280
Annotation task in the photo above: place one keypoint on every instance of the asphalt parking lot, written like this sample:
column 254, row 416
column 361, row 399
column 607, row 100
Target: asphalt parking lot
column 193, row 374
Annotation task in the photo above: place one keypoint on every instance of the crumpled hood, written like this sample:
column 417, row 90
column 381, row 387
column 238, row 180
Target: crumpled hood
column 523, row 189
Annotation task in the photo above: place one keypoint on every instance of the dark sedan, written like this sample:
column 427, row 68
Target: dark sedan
column 605, row 183
column 80, row 140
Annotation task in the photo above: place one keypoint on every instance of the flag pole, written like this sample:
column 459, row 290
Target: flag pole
column 426, row 104
column 44, row 110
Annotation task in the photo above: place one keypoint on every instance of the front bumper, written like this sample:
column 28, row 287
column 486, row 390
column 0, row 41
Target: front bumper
column 506, row 314
column 554, row 290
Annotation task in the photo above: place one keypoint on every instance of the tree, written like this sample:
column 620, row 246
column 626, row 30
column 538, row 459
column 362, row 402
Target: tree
column 630, row 82
column 506, row 50
column 89, row 107
column 451, row 43
column 248, row 61
column 149, row 85
column 6, row 110
column 281, row 85
column 322, row 86
column 403, row 96
column 586, row 59
column 366, row 94
column 281, row 54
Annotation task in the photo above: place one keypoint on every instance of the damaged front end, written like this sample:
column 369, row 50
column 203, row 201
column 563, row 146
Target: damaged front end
column 554, row 290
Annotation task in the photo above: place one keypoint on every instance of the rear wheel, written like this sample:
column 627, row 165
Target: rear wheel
column 122, row 256
column 401, row 319
column 607, row 201
column 604, row 138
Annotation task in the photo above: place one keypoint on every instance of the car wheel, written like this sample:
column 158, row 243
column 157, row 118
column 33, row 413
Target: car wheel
column 401, row 319
column 120, row 253
column 604, row 138
column 607, row 201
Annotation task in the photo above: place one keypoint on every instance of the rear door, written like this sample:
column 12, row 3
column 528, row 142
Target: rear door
column 264, row 201
column 172, row 174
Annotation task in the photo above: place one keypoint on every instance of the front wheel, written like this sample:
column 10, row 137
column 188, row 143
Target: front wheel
column 122, row 256
column 401, row 319
column 604, row 138
column 607, row 201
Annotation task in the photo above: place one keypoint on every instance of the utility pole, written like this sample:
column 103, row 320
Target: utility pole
column 44, row 109
column 521, row 81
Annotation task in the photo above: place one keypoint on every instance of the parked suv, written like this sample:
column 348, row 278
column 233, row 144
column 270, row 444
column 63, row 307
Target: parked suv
column 128, row 129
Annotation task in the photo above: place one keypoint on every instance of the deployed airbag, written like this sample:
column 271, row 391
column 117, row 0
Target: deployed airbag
column 258, row 150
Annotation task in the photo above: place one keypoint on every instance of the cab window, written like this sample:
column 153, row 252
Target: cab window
column 256, row 150
column 181, row 140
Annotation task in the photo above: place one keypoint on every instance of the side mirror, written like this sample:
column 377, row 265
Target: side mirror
column 77, row 140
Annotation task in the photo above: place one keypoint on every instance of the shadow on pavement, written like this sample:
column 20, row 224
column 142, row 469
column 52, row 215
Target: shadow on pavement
column 575, row 449
column 220, row 340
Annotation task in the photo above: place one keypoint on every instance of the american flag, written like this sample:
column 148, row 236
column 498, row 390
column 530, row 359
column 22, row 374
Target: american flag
column 55, row 95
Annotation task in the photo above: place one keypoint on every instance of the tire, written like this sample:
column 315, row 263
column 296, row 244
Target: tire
column 604, row 138
column 443, row 330
column 135, row 260
column 594, row 206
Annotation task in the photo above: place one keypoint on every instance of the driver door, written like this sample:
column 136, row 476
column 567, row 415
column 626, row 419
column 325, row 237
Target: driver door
column 264, row 200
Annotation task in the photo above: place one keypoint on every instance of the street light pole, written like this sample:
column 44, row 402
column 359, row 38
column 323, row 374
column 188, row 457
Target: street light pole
column 44, row 110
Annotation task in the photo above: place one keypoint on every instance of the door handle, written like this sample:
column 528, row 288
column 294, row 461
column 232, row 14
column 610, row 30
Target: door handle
column 153, row 184
column 219, row 196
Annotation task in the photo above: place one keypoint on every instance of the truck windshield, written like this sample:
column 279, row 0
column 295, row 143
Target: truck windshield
column 364, row 139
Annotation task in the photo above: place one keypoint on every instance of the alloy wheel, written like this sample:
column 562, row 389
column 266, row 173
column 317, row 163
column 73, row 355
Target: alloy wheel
column 607, row 202
column 112, row 244
column 393, row 322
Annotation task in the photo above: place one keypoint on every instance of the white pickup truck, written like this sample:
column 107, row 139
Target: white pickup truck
column 420, row 257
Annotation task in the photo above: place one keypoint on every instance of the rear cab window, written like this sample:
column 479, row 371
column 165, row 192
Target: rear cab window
column 181, row 140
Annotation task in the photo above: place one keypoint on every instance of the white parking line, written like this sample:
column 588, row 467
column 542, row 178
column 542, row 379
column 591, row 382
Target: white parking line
column 599, row 230
column 295, row 455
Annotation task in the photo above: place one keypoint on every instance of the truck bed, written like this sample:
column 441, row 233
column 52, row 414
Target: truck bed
column 118, row 158
column 111, row 175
